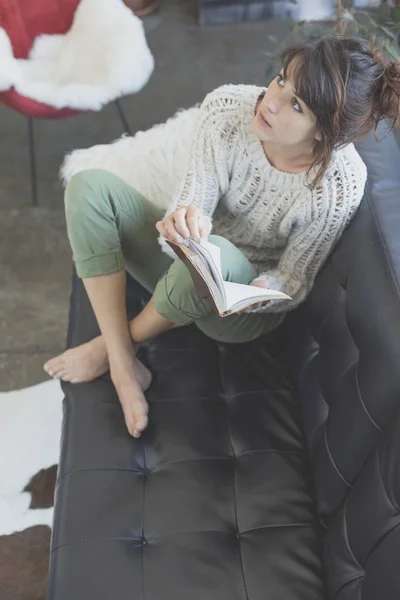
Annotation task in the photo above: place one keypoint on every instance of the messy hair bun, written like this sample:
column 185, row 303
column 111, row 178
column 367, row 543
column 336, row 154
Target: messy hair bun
column 388, row 101
column 348, row 86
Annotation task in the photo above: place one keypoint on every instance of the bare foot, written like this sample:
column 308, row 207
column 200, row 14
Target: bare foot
column 87, row 362
column 130, row 393
column 83, row 363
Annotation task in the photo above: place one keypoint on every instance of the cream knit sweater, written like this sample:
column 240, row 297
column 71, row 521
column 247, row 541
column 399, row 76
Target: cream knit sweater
column 208, row 155
column 284, row 229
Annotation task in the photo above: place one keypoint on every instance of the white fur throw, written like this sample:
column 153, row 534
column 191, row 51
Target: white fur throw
column 102, row 57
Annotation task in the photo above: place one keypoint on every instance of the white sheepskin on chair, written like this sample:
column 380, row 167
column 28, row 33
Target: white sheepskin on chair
column 29, row 442
column 102, row 57
column 151, row 161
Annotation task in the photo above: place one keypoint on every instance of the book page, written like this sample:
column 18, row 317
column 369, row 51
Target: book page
column 215, row 252
column 211, row 256
column 208, row 251
column 237, row 292
column 204, row 282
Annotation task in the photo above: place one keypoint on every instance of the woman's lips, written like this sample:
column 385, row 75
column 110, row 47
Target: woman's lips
column 263, row 120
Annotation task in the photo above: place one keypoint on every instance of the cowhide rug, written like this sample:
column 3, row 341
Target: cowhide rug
column 30, row 433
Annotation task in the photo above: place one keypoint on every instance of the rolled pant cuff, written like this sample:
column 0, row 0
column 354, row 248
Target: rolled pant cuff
column 104, row 264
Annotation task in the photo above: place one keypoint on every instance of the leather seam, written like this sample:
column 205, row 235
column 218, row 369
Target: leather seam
column 221, row 400
column 346, row 537
column 139, row 541
column 254, row 392
column 378, row 465
column 332, row 461
column 96, row 540
column 234, row 489
column 347, row 369
column 279, row 526
column 342, row 587
column 363, row 403
column 186, row 401
column 99, row 469
column 178, row 462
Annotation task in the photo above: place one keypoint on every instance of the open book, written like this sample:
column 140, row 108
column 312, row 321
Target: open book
column 204, row 263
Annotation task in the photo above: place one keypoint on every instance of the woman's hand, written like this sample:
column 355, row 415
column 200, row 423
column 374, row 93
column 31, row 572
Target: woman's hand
column 185, row 222
column 260, row 284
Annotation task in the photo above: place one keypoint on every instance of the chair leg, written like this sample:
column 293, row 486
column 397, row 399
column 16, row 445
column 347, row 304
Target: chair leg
column 123, row 118
column 32, row 160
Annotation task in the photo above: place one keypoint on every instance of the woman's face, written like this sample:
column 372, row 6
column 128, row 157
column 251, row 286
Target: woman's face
column 283, row 118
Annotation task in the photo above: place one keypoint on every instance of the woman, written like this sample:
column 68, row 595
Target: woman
column 272, row 171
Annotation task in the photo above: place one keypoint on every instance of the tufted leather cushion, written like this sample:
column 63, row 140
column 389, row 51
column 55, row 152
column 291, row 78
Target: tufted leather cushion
column 214, row 500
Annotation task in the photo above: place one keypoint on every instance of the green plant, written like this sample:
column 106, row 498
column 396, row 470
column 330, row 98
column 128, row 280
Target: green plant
column 381, row 24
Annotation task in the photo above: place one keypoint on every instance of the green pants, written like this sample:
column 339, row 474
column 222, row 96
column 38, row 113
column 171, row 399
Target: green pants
column 111, row 227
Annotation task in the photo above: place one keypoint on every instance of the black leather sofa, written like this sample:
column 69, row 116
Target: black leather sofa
column 269, row 471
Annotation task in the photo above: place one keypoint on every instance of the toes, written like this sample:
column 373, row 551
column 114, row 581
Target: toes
column 50, row 364
column 65, row 376
column 59, row 373
column 72, row 379
column 54, row 374
column 136, row 426
column 134, row 406
column 48, row 369
column 47, row 365
column 131, row 425
column 141, row 423
column 69, row 377
column 54, row 366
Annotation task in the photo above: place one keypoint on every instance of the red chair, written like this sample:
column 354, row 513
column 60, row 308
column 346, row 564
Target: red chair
column 24, row 20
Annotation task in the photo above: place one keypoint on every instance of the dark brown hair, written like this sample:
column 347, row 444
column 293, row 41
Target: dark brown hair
column 348, row 86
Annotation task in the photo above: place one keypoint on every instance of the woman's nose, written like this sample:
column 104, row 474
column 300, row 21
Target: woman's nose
column 273, row 106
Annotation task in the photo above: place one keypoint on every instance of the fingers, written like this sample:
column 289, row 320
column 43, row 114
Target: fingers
column 185, row 222
column 179, row 217
column 260, row 283
column 166, row 228
column 204, row 227
column 192, row 219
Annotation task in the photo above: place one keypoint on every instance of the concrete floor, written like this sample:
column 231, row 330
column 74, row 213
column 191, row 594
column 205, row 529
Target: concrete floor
column 35, row 259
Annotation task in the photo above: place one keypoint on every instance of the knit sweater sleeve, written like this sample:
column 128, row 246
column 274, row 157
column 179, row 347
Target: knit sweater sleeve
column 206, row 173
column 311, row 242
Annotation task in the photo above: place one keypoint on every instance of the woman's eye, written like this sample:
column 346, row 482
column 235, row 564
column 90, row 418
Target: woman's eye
column 296, row 105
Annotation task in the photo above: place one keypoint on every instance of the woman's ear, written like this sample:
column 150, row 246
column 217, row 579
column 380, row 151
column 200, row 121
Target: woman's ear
column 318, row 137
